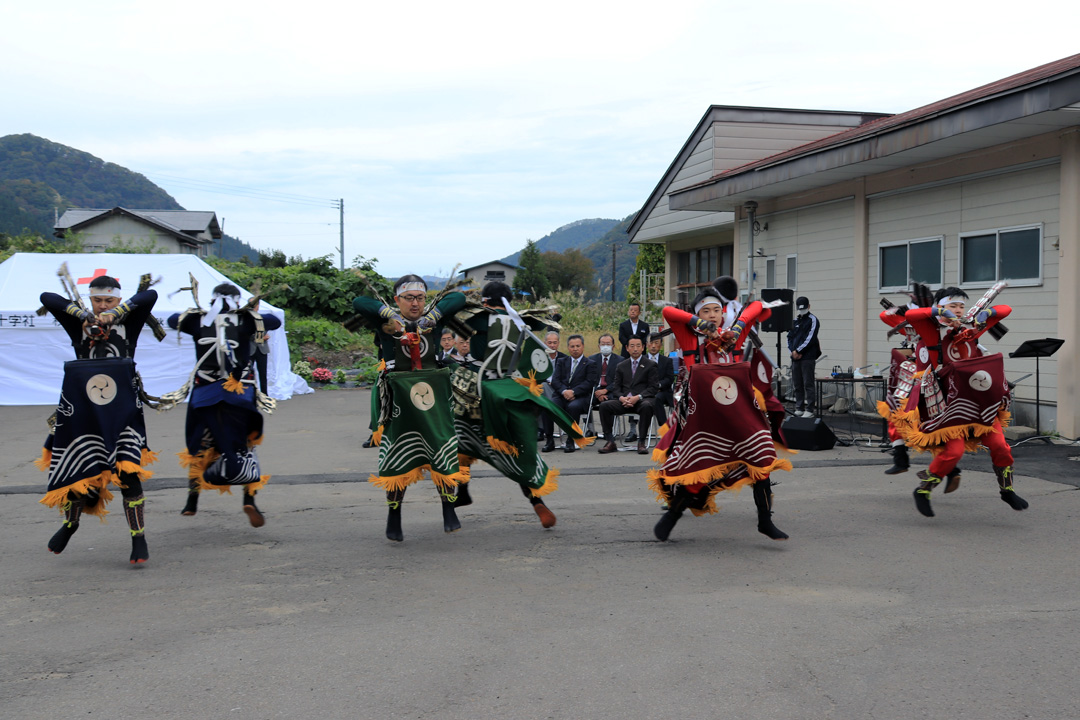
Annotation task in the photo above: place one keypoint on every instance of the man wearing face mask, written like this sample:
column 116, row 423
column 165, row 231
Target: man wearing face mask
column 805, row 350
column 606, row 361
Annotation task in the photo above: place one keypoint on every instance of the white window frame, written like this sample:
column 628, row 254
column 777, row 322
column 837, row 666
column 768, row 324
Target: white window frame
column 884, row 289
column 787, row 271
column 1013, row 282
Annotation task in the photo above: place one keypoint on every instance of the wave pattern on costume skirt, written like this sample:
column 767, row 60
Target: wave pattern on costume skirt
column 758, row 449
column 412, row 445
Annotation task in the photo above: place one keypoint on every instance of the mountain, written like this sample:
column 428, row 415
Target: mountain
column 594, row 238
column 578, row 234
column 40, row 179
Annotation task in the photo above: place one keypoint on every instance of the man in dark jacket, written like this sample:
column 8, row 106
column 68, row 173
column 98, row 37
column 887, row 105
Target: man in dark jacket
column 633, row 327
column 666, row 368
column 636, row 382
column 606, row 361
column 805, row 350
column 572, row 383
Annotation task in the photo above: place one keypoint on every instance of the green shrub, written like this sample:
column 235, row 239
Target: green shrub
column 303, row 369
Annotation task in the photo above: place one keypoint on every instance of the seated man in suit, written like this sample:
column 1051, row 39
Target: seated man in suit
column 637, row 380
column 633, row 326
column 572, row 384
column 606, row 361
column 664, row 399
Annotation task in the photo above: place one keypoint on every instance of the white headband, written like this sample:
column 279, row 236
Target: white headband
column 707, row 301
column 949, row 300
column 105, row 292
column 406, row 287
column 220, row 303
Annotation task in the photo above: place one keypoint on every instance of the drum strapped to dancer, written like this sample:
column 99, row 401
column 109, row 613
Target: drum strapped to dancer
column 718, row 436
column 415, row 431
column 977, row 401
column 224, row 417
column 98, row 437
column 498, row 397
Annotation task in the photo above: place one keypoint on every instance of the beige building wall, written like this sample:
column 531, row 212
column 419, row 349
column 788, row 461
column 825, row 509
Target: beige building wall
column 123, row 230
column 1010, row 199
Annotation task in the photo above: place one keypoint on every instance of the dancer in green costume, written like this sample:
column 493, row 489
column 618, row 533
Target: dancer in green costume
column 415, row 427
column 498, row 397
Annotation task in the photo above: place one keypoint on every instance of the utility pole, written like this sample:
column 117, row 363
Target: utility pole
column 341, row 227
column 614, row 247
column 751, row 215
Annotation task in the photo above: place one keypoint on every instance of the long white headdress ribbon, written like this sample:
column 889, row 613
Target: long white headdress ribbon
column 219, row 304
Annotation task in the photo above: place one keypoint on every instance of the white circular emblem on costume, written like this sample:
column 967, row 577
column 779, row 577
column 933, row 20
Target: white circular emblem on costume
column 422, row 396
column 101, row 389
column 424, row 346
column 724, row 390
column 924, row 355
column 954, row 352
column 981, row 381
column 540, row 360
column 762, row 373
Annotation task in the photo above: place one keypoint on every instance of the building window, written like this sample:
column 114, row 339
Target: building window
column 702, row 266
column 900, row 264
column 770, row 272
column 1013, row 254
column 792, row 274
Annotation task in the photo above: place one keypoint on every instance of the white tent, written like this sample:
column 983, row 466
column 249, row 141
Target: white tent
column 33, row 349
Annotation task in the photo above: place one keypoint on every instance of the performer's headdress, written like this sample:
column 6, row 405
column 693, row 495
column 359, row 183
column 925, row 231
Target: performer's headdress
column 410, row 283
column 105, row 286
column 493, row 292
column 226, row 298
column 708, row 296
column 947, row 295
column 727, row 287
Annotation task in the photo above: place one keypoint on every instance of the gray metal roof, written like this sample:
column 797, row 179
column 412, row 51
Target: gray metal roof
column 185, row 222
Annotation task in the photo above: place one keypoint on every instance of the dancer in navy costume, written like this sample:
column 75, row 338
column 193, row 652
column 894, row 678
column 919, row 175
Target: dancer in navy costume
column 100, row 436
column 223, row 422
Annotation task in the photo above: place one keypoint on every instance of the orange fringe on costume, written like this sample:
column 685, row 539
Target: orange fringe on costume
column 530, row 382
column 99, row 482
column 502, row 446
column 702, row 477
column 234, row 386
column 376, row 437
column 196, row 466
column 907, row 425
column 551, row 484
column 400, row 482
column 583, row 441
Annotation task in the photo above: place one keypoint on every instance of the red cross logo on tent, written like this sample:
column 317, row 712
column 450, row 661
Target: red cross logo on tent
column 87, row 280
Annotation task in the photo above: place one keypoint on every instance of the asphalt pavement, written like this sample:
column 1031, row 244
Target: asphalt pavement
column 869, row 611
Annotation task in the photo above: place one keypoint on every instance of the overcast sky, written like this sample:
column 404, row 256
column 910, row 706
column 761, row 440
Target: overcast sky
column 457, row 131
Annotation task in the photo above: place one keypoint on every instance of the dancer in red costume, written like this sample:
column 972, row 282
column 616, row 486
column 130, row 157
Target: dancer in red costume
column 977, row 402
column 718, row 436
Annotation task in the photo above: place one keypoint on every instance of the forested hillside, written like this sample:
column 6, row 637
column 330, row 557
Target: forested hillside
column 40, row 179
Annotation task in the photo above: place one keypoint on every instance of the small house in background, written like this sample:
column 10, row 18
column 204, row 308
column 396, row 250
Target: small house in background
column 186, row 232
column 493, row 271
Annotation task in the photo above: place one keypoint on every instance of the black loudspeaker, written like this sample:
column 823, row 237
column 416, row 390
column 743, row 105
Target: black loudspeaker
column 782, row 317
column 807, row 433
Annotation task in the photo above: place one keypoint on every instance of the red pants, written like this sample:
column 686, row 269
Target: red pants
column 1000, row 453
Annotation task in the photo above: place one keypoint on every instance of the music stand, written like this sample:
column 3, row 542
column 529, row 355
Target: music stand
column 1037, row 349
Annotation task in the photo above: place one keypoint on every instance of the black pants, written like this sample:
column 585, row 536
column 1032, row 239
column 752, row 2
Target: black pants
column 574, row 408
column 802, row 381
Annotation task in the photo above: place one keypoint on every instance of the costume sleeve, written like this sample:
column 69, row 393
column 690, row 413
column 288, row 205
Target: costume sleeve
column 373, row 310
column 67, row 313
column 924, row 323
column 997, row 314
column 133, row 313
column 271, row 322
column 451, row 303
column 682, row 326
column 752, row 314
column 892, row 319
column 190, row 324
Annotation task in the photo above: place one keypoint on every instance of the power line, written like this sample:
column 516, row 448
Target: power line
column 252, row 193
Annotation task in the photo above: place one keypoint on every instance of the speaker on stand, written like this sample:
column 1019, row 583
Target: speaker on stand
column 781, row 321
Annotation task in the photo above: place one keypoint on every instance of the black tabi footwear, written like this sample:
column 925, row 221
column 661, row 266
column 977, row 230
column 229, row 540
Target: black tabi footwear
column 59, row 540
column 463, row 497
column 449, row 517
column 549, row 446
column 922, row 493
column 192, row 505
column 763, row 500
column 393, row 523
column 666, row 524
column 139, row 552
column 901, row 462
column 369, row 443
column 1004, row 478
column 255, row 517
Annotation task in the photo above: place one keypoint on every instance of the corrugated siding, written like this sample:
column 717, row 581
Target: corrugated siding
column 822, row 237
column 105, row 232
column 1019, row 198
